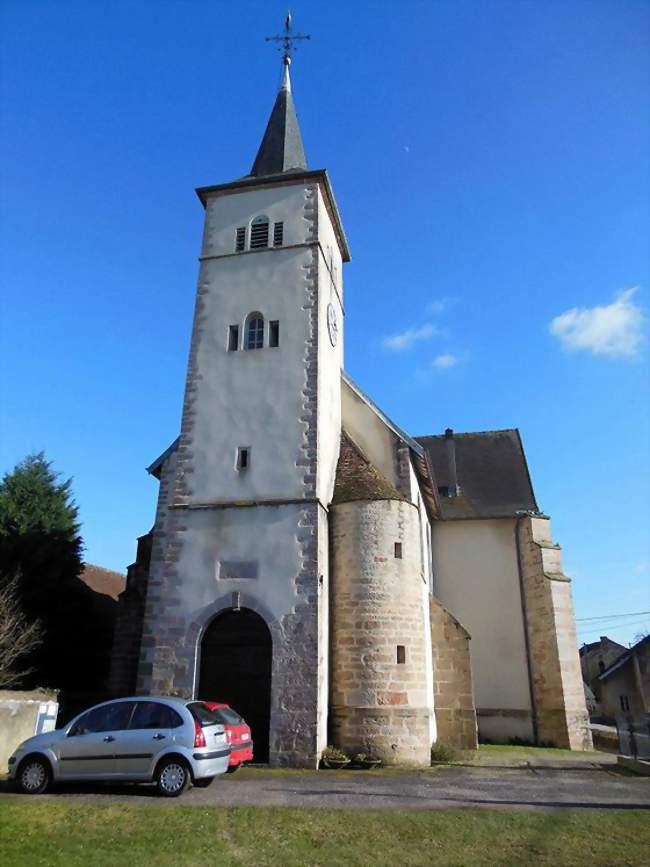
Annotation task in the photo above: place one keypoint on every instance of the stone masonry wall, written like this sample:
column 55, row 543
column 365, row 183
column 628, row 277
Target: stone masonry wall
column 378, row 704
column 452, row 680
column 562, row 716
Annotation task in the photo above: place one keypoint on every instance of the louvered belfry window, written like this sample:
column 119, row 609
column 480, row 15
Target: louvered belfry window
column 255, row 331
column 278, row 234
column 259, row 233
column 240, row 239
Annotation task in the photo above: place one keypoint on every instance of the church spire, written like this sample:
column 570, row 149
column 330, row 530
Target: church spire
column 282, row 149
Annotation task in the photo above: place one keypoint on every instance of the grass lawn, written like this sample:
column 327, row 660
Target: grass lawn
column 550, row 752
column 36, row 832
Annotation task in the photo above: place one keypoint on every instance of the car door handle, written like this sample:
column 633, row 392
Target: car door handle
column 109, row 738
column 159, row 737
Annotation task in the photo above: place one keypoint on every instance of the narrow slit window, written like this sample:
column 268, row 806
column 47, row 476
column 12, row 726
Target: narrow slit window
column 233, row 338
column 259, row 233
column 255, row 331
column 243, row 458
column 398, row 550
column 240, row 239
column 274, row 333
column 278, row 234
column 401, row 654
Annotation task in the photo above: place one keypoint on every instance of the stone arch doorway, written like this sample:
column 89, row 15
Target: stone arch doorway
column 236, row 656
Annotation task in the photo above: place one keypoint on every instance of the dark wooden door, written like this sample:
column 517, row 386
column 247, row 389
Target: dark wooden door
column 236, row 652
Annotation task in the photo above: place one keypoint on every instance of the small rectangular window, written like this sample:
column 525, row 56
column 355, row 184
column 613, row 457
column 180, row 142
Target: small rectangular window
column 278, row 234
column 274, row 333
column 401, row 654
column 398, row 550
column 243, row 457
column 240, row 239
column 233, row 338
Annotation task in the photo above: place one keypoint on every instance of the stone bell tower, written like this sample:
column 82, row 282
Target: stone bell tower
column 242, row 515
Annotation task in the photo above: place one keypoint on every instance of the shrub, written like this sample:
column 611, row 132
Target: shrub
column 334, row 754
column 441, row 752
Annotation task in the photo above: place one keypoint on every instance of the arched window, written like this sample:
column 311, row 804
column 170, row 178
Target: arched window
column 255, row 331
column 259, row 233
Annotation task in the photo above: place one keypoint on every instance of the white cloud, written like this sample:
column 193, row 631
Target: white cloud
column 615, row 329
column 408, row 338
column 443, row 362
column 435, row 308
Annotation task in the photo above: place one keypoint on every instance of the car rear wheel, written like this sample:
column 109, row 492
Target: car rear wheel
column 33, row 776
column 203, row 783
column 172, row 777
column 233, row 768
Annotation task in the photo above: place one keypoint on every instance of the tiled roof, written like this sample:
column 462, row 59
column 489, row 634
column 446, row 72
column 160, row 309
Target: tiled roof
column 358, row 479
column 491, row 472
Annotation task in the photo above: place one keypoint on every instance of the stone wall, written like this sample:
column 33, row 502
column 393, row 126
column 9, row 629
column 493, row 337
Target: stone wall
column 378, row 695
column 452, row 680
column 128, row 623
column 562, row 717
column 22, row 715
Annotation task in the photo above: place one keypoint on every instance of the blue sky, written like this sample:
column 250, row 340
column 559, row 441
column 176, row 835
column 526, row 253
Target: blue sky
column 490, row 160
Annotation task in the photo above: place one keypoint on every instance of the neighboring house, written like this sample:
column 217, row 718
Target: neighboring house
column 103, row 580
column 625, row 685
column 595, row 657
column 311, row 563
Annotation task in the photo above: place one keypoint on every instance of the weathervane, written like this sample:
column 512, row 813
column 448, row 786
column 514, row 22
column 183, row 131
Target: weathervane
column 287, row 39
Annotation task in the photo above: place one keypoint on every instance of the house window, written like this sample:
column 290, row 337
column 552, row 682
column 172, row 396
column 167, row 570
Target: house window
column 243, row 457
column 255, row 331
column 240, row 239
column 259, row 233
column 274, row 333
column 233, row 338
column 601, row 667
column 625, row 703
column 398, row 550
column 278, row 234
column 401, row 654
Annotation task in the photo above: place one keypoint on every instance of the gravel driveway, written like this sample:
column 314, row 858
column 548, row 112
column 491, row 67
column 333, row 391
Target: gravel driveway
column 439, row 788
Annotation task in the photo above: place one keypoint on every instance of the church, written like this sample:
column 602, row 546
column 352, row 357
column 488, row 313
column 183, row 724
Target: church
column 335, row 579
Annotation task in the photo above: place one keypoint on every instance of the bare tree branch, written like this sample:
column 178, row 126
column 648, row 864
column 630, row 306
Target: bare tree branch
column 17, row 636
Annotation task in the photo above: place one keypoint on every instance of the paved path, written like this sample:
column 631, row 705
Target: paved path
column 440, row 788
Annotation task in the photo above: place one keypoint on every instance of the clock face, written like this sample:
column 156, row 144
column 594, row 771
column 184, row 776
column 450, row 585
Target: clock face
column 332, row 324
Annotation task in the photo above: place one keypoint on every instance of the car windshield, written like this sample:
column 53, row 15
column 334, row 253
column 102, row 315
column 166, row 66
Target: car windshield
column 202, row 714
column 227, row 716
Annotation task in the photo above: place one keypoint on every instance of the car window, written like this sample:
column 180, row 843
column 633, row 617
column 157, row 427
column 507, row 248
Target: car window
column 202, row 713
column 107, row 718
column 153, row 715
column 228, row 716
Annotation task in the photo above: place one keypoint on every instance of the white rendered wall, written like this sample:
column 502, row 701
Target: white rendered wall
column 476, row 578
column 370, row 433
column 330, row 358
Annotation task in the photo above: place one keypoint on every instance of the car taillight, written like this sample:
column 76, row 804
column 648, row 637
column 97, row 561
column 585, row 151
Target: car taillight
column 199, row 737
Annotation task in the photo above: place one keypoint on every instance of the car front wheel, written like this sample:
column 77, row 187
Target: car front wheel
column 33, row 776
column 172, row 777
column 233, row 768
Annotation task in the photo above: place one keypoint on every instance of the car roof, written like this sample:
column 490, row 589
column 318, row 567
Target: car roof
column 170, row 699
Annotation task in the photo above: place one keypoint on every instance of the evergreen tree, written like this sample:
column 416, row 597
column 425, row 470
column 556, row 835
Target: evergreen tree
column 39, row 531
column 41, row 548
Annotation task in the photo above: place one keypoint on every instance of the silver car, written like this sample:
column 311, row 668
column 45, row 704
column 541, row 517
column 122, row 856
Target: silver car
column 170, row 741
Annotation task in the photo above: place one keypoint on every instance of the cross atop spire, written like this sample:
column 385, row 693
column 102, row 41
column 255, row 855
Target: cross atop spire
column 282, row 149
column 287, row 39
